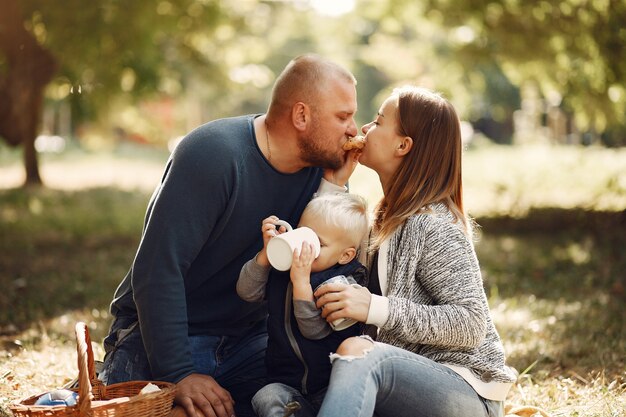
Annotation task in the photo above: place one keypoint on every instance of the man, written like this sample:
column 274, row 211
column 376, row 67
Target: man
column 177, row 315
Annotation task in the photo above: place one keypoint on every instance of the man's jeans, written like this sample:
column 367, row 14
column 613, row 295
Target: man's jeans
column 237, row 364
column 395, row 382
column 272, row 401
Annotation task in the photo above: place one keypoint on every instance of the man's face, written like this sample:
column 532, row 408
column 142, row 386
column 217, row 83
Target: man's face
column 332, row 122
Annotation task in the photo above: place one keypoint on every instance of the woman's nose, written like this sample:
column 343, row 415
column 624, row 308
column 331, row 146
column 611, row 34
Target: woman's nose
column 365, row 128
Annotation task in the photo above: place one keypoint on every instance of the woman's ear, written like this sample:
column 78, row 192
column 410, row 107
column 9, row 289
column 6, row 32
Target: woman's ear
column 346, row 256
column 300, row 116
column 405, row 145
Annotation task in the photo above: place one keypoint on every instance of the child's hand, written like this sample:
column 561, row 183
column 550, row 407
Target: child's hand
column 301, row 272
column 342, row 175
column 301, row 264
column 269, row 230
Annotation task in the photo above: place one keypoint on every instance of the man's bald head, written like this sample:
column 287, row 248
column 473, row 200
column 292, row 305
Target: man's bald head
column 302, row 80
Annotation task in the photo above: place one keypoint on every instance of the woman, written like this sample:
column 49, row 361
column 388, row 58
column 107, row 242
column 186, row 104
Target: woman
column 437, row 352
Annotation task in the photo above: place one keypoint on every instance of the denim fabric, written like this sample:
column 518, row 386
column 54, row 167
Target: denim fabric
column 237, row 364
column 125, row 358
column 394, row 382
column 272, row 399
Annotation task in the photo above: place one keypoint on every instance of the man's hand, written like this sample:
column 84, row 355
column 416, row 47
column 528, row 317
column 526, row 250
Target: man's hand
column 206, row 395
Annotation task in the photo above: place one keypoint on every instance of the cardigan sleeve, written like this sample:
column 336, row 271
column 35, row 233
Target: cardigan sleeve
column 436, row 295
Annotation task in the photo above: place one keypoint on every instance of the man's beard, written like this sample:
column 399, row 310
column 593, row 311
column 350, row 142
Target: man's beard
column 312, row 153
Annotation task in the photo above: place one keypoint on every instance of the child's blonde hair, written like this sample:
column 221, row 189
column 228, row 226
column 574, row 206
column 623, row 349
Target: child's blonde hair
column 345, row 211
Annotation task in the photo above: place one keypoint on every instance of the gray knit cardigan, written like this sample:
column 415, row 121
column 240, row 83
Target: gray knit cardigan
column 437, row 304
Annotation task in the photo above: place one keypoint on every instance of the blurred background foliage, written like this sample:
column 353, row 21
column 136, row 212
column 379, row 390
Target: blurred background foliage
column 518, row 71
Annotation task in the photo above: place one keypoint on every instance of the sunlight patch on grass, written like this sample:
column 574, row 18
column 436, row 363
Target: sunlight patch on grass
column 512, row 179
column 44, row 357
column 77, row 170
column 573, row 395
column 497, row 179
column 556, row 353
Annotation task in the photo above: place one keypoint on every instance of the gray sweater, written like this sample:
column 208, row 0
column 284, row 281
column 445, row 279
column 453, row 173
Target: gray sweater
column 437, row 304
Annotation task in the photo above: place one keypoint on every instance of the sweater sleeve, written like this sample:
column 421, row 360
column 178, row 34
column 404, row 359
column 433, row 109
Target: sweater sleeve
column 182, row 214
column 252, row 281
column 310, row 321
column 443, row 262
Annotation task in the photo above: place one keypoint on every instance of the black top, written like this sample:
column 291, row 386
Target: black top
column 374, row 283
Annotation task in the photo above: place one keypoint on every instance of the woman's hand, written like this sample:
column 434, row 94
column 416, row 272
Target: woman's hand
column 342, row 175
column 269, row 230
column 339, row 301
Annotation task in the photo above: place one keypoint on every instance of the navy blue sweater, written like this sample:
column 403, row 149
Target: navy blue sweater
column 291, row 358
column 202, row 224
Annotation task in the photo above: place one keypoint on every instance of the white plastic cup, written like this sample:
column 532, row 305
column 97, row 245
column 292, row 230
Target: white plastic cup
column 280, row 248
column 344, row 323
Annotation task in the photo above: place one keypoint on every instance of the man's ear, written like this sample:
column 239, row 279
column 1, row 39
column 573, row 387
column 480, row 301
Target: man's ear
column 404, row 146
column 300, row 116
column 347, row 256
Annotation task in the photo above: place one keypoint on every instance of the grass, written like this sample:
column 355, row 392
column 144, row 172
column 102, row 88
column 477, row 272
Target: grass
column 557, row 294
column 69, row 247
column 551, row 250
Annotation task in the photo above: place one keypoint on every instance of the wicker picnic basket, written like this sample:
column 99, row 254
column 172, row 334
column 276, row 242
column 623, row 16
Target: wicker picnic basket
column 98, row 400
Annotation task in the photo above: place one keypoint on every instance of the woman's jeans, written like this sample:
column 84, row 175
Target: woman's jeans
column 275, row 399
column 394, row 382
column 237, row 364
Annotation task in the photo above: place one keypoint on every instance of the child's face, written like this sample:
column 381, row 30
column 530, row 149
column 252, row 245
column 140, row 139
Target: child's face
column 333, row 243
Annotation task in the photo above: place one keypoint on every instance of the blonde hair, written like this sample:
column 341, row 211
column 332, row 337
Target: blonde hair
column 347, row 212
column 431, row 171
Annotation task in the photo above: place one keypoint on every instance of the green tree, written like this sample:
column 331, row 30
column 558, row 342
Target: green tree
column 25, row 69
column 98, row 51
column 574, row 49
column 400, row 44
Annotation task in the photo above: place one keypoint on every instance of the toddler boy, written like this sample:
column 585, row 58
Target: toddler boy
column 300, row 340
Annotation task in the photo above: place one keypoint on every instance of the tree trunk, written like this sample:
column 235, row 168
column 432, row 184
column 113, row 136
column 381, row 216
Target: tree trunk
column 31, row 163
column 29, row 69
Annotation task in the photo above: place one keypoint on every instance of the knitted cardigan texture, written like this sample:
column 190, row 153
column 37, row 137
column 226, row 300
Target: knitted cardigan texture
column 437, row 304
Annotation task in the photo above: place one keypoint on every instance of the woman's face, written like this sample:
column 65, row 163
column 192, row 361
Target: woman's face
column 383, row 140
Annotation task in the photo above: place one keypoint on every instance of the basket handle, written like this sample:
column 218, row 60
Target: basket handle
column 86, row 369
